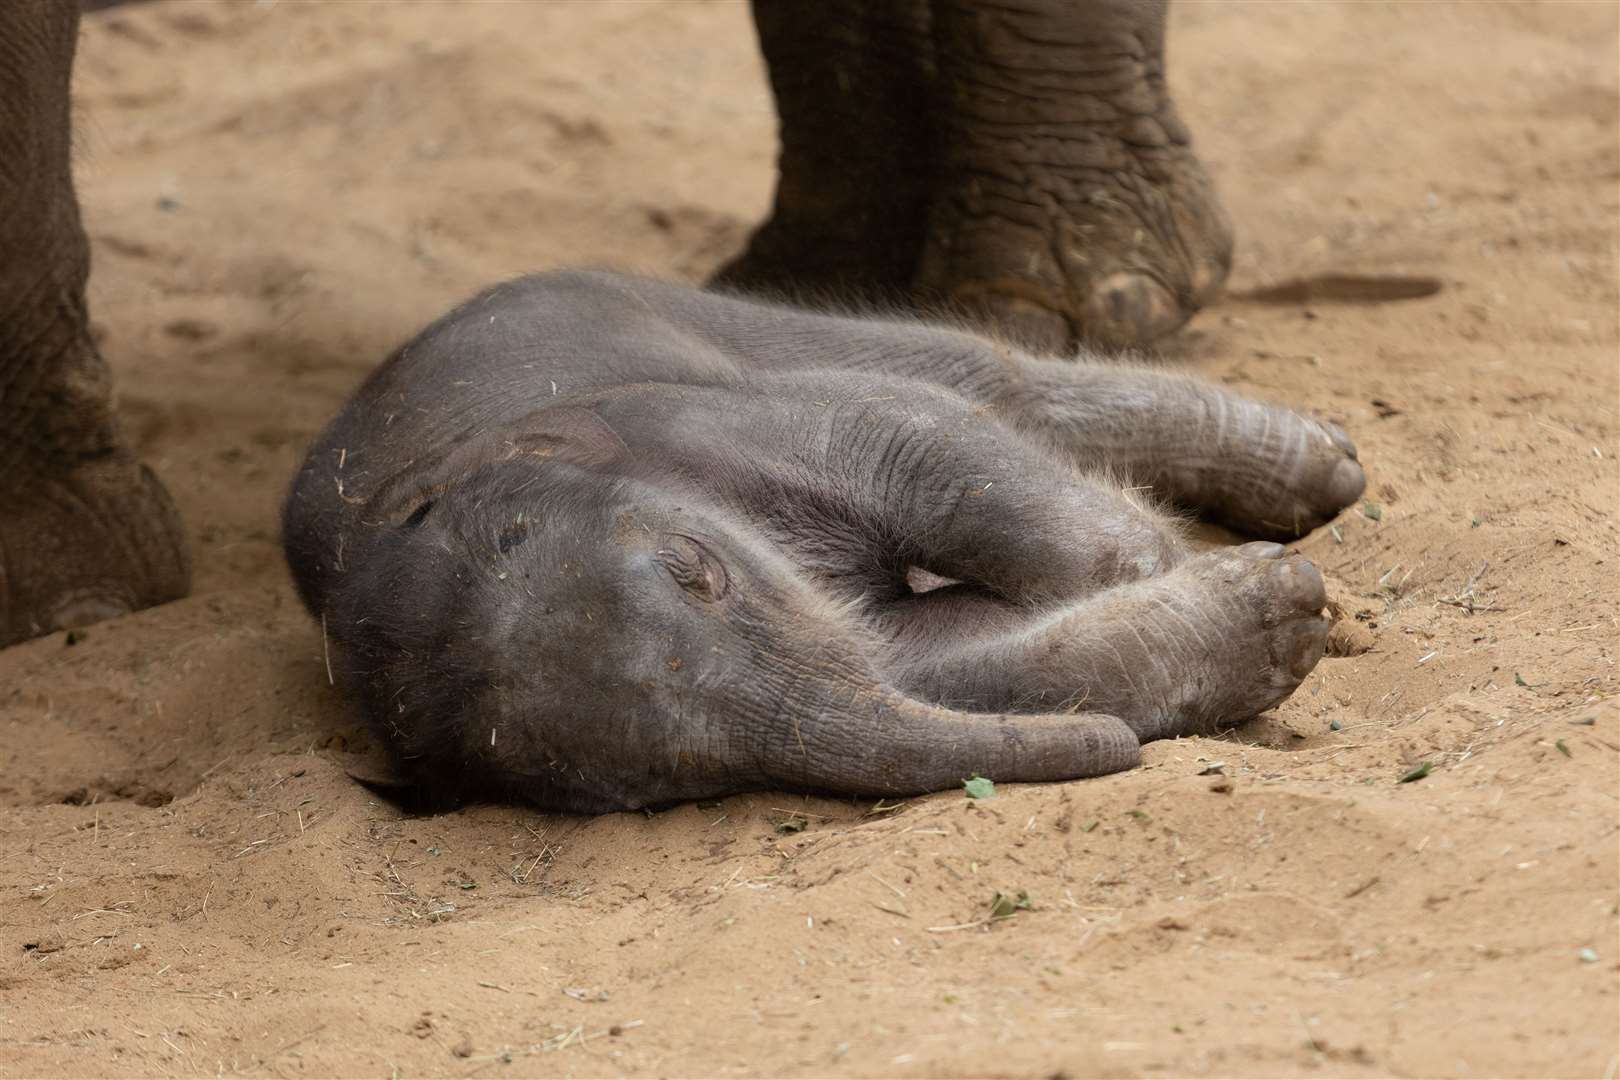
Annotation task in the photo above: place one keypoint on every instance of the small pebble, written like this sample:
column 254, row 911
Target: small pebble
column 1334, row 725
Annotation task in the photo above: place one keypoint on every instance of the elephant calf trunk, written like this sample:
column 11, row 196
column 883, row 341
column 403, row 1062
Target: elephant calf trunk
column 885, row 743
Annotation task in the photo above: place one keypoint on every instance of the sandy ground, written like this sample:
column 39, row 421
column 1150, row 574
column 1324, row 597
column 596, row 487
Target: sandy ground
column 191, row 884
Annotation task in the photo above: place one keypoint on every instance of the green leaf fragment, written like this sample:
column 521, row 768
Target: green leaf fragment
column 1003, row 906
column 1562, row 748
column 980, row 787
column 1588, row 956
column 1088, row 826
column 1417, row 772
column 1372, row 511
column 791, row 823
column 1518, row 680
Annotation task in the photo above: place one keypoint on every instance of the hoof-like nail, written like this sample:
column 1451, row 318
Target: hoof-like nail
column 1128, row 308
column 1260, row 549
column 1208, row 279
column 1308, row 647
column 1340, row 439
column 1309, row 591
column 1346, row 483
column 81, row 610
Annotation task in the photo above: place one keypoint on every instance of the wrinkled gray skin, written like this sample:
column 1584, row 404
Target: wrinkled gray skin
column 1020, row 161
column 599, row 543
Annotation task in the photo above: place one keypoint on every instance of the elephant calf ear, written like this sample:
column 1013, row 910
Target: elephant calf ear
column 564, row 433
column 568, row 433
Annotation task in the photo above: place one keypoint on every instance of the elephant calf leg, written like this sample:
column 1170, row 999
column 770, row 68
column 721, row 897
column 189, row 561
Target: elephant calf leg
column 86, row 531
column 1217, row 640
column 1262, row 469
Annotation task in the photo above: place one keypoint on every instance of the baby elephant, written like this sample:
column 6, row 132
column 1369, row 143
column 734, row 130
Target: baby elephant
column 599, row 543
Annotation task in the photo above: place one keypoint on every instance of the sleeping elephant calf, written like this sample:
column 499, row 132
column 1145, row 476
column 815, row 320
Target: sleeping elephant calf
column 598, row 543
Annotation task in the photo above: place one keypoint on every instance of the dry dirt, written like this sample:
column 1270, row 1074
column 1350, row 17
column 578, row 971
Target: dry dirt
column 190, row 882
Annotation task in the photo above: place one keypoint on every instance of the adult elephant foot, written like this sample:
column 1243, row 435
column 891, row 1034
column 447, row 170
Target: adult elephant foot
column 1071, row 206
column 1117, row 245
column 1021, row 163
column 86, row 531
column 86, row 543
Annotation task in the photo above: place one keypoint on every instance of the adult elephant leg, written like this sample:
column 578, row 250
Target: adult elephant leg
column 1070, row 203
column 86, row 531
column 853, row 87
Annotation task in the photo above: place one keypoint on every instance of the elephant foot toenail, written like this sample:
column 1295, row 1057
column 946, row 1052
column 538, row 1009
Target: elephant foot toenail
column 1261, row 549
column 1310, row 641
column 1208, row 279
column 80, row 610
column 1129, row 308
column 1308, row 588
column 1346, row 483
column 1340, row 439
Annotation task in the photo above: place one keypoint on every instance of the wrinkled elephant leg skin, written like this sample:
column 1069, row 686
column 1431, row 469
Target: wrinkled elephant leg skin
column 1070, row 206
column 1258, row 468
column 852, row 81
column 86, row 531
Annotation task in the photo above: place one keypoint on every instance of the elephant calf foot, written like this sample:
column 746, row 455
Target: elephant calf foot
column 1219, row 640
column 85, row 543
column 1261, row 469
